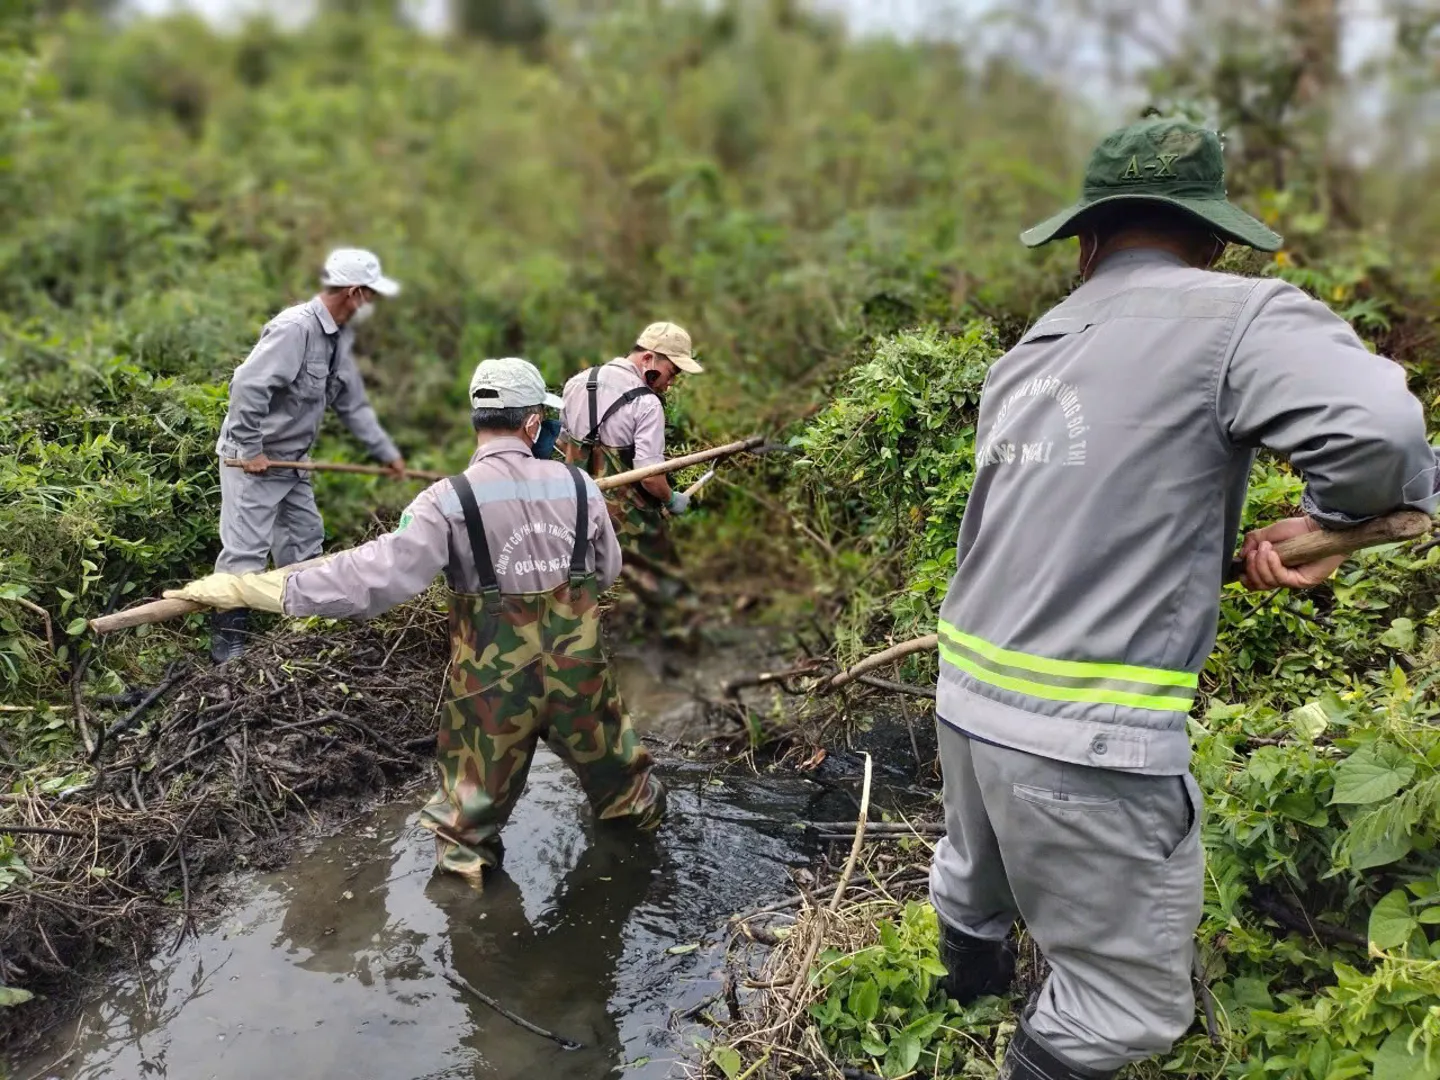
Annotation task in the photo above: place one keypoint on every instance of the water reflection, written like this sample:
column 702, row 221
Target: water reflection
column 336, row 966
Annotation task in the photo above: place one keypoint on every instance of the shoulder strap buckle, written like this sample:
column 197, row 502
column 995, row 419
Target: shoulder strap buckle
column 578, row 572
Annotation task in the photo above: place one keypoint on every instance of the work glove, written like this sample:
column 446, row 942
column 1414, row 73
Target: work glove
column 260, row 592
column 679, row 502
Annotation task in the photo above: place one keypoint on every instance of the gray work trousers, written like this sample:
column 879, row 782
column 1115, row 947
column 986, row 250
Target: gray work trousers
column 270, row 514
column 1106, row 870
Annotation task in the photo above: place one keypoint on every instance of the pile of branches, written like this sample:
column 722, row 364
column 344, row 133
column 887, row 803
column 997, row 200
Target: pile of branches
column 215, row 768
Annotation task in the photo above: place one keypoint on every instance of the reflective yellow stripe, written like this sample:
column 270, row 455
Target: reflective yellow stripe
column 1050, row 692
column 1078, row 669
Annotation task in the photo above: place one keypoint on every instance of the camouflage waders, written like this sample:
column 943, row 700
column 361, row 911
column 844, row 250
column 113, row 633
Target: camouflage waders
column 526, row 666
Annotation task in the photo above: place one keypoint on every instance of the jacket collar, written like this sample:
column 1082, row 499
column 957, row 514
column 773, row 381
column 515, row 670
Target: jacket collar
column 505, row 444
column 321, row 312
column 1131, row 258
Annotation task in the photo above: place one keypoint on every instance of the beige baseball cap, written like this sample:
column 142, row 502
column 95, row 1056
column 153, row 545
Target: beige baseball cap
column 509, row 383
column 671, row 342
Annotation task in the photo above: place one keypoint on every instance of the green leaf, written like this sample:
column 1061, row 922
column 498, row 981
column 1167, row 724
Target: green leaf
column 1308, row 721
column 1319, row 1063
column 931, row 966
column 727, row 1060
column 1390, row 921
column 874, row 1047
column 1401, row 635
column 904, row 1053
column 76, row 627
column 681, row 950
column 1300, row 806
column 13, row 995
column 1370, row 774
column 1429, row 916
column 864, row 1001
column 1381, row 849
column 1396, row 1061
column 1252, row 993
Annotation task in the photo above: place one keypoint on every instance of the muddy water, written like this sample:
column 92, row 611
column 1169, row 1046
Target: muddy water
column 350, row 962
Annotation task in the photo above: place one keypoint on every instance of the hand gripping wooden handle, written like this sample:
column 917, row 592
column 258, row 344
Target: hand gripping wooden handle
column 153, row 612
column 1390, row 529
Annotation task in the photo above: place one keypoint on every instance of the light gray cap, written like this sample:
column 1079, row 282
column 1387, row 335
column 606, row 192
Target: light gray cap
column 509, row 383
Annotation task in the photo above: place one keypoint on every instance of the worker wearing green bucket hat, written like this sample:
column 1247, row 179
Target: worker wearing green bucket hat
column 1113, row 449
column 1158, row 162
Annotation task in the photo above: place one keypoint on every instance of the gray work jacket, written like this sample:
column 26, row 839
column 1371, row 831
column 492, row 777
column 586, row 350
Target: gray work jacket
column 1114, row 447
column 528, row 510
column 301, row 363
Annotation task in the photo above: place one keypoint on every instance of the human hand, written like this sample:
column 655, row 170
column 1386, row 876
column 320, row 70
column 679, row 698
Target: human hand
column 256, row 465
column 1263, row 567
column 396, row 468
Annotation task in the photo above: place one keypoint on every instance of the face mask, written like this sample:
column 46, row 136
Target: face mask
column 544, row 445
column 362, row 313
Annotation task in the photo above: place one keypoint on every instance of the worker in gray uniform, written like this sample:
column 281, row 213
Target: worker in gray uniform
column 278, row 395
column 1114, row 445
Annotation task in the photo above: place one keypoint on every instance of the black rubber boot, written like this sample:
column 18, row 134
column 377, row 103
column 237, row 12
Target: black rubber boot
column 977, row 967
column 228, row 630
column 1028, row 1059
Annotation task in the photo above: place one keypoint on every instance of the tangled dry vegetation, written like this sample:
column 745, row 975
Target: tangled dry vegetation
column 215, row 774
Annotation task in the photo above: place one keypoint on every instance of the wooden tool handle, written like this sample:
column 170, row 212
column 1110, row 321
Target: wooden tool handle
column 153, row 612
column 344, row 467
column 1307, row 548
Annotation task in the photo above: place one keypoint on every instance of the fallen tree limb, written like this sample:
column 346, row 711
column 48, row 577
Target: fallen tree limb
column 880, row 659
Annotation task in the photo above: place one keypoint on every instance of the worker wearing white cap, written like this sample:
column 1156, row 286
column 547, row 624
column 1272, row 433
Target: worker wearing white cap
column 302, row 362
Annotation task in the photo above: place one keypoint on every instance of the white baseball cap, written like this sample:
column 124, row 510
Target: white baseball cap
column 510, row 383
column 356, row 266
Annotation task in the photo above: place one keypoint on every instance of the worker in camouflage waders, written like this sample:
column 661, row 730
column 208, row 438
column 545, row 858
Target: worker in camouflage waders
column 527, row 547
column 1114, row 445
column 613, row 419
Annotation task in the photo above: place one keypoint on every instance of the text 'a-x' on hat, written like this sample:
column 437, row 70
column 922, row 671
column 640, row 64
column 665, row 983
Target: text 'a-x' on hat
column 1159, row 160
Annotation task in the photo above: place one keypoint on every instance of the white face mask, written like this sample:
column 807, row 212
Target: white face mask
column 362, row 313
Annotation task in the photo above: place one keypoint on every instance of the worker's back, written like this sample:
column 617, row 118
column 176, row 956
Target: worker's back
column 1113, row 448
column 610, row 408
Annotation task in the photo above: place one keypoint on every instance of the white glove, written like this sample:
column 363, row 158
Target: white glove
column 679, row 502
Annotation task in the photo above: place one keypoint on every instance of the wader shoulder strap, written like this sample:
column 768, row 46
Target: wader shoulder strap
column 479, row 547
column 596, row 422
column 582, row 527
column 592, row 389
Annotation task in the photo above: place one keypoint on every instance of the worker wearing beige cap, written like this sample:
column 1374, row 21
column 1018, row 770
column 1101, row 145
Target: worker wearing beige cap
column 614, row 419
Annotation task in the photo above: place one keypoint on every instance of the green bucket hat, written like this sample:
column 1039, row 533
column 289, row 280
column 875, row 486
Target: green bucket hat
column 1159, row 161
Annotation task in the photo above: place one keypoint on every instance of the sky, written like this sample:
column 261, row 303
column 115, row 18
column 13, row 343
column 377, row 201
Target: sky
column 983, row 24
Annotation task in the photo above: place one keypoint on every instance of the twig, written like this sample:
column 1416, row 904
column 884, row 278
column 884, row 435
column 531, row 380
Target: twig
column 880, row 659
column 185, row 897
column 514, row 1018
column 763, row 678
column 44, row 830
column 898, row 688
column 1207, row 1000
column 859, row 840
column 172, row 676
column 30, row 605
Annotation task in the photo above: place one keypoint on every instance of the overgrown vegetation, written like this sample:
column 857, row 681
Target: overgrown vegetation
column 834, row 220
